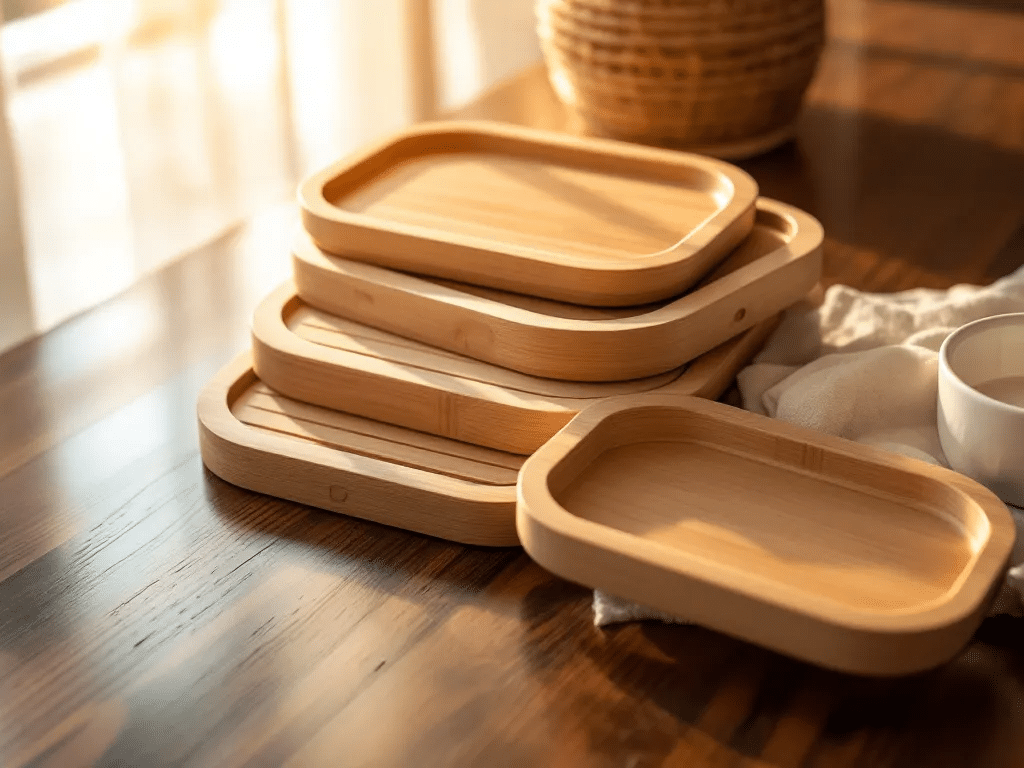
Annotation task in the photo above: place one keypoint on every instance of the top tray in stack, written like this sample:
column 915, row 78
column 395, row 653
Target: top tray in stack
column 560, row 257
column 584, row 221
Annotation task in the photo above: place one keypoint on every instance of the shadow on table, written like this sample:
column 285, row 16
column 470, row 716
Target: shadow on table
column 387, row 558
column 903, row 205
column 964, row 713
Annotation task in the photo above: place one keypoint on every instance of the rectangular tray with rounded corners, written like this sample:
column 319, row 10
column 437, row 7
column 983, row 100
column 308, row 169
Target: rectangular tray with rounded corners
column 585, row 221
column 255, row 438
column 318, row 358
column 775, row 266
column 824, row 549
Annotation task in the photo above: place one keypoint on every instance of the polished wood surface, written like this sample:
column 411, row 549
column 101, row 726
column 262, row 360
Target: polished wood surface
column 151, row 614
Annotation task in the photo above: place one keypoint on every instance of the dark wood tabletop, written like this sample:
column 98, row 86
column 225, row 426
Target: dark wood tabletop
column 154, row 615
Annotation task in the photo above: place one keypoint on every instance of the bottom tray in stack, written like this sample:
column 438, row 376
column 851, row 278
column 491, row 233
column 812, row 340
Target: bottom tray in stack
column 255, row 438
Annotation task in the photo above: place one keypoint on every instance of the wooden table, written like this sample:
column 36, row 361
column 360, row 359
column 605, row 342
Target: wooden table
column 151, row 614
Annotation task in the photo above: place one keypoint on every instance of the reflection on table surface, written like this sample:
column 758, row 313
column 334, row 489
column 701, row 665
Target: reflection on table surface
column 143, row 129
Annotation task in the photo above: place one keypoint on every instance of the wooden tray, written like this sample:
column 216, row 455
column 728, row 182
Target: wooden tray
column 318, row 358
column 586, row 221
column 827, row 550
column 774, row 267
column 253, row 437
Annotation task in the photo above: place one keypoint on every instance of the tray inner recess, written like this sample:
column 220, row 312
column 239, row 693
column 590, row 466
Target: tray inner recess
column 701, row 491
column 533, row 203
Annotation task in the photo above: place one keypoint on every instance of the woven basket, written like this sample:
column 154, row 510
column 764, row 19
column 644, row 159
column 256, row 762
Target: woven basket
column 722, row 76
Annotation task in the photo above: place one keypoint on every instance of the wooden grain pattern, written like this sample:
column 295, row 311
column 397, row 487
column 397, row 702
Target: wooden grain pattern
column 153, row 615
column 818, row 547
column 775, row 266
column 585, row 221
column 314, row 357
column 254, row 438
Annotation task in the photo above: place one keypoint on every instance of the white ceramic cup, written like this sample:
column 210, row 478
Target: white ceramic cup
column 981, row 403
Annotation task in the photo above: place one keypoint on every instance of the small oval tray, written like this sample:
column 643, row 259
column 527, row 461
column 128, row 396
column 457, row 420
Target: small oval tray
column 824, row 549
column 255, row 438
column 775, row 266
column 318, row 358
column 585, row 221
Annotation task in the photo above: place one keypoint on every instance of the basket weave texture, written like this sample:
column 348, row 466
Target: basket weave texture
column 690, row 72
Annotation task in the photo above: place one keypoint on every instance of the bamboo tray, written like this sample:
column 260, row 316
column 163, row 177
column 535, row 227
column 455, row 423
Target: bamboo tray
column 778, row 263
column 253, row 437
column 827, row 550
column 584, row 221
column 318, row 358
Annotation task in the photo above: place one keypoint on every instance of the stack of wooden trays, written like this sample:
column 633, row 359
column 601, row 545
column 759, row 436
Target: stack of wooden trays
column 461, row 291
column 500, row 336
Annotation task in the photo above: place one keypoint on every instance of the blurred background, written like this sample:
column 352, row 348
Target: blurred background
column 132, row 131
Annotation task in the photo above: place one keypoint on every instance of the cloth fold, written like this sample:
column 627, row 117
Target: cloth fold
column 864, row 367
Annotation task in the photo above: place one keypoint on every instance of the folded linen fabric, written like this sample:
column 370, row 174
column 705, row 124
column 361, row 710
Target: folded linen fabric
column 864, row 366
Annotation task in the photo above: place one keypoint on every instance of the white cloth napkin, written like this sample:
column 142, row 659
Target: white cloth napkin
column 864, row 366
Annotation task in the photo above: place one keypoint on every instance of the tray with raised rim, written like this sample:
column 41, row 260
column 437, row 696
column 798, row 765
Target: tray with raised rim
column 827, row 550
column 316, row 357
column 256, row 438
column 580, row 220
column 775, row 266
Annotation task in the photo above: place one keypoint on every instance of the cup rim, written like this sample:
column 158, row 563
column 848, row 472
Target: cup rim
column 968, row 329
